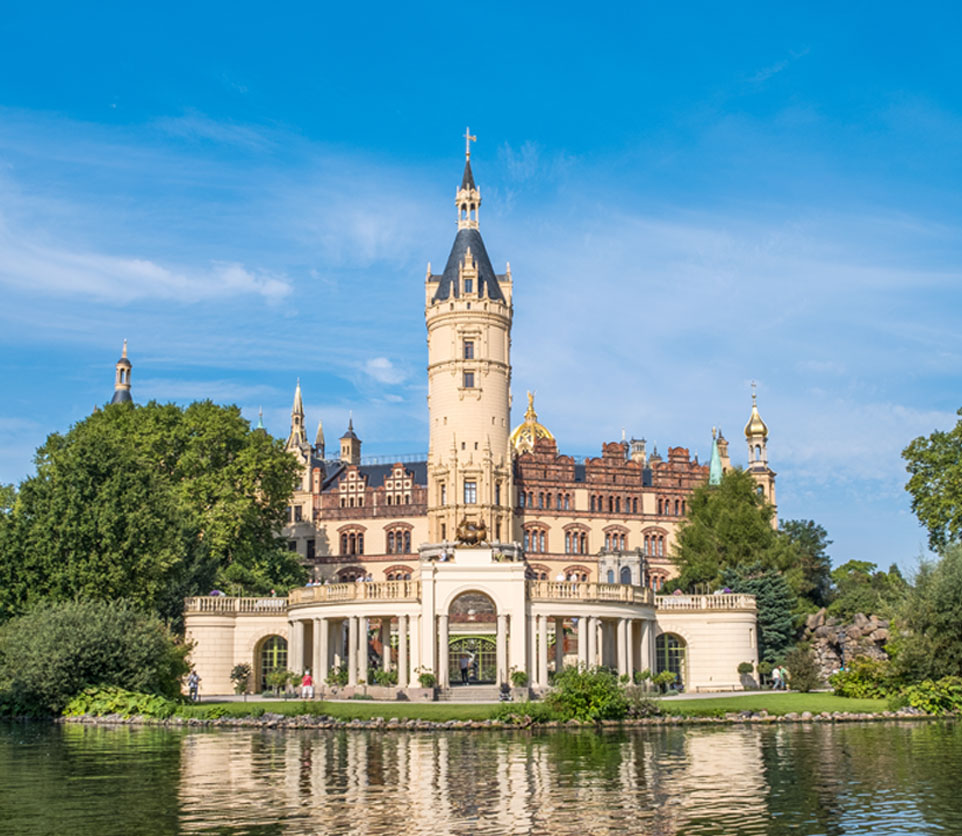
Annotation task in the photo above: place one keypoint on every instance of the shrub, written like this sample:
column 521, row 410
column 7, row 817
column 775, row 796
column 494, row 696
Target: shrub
column 240, row 676
column 587, row 695
column 381, row 677
column 56, row 651
column 765, row 667
column 803, row 669
column 337, row 676
column 639, row 703
column 518, row 712
column 519, row 679
column 642, row 676
column 427, row 679
column 100, row 701
column 866, row 678
column 938, row 697
column 664, row 679
column 745, row 668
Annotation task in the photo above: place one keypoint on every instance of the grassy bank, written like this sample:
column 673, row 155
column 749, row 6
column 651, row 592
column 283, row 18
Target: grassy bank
column 440, row 712
column 772, row 703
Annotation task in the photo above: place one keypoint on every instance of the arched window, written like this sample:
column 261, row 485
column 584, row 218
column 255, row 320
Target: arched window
column 611, row 576
column 407, row 542
column 659, row 507
column 677, row 507
column 567, row 542
column 617, row 504
column 584, row 543
column 625, row 575
column 273, row 657
column 527, row 541
column 390, row 542
column 634, row 505
column 344, row 544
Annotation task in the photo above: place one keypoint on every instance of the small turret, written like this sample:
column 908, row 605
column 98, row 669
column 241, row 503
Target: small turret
column 350, row 445
column 298, row 436
column 122, row 379
column 715, row 466
column 319, row 441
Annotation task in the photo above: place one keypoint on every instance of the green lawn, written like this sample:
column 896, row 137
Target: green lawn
column 772, row 703
column 439, row 712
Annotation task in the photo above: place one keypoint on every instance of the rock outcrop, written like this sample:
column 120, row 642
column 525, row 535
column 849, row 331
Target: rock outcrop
column 836, row 643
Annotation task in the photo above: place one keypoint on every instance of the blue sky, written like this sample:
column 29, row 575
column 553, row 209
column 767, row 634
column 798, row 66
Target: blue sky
column 690, row 198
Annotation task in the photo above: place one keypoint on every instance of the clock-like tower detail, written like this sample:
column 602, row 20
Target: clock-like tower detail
column 468, row 316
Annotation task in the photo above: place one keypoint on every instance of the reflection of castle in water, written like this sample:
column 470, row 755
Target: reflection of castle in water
column 656, row 781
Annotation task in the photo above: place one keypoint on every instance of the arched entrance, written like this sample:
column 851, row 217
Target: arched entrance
column 472, row 640
column 671, row 654
column 271, row 655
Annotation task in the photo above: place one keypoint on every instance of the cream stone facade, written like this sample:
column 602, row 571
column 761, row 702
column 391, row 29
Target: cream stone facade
column 494, row 551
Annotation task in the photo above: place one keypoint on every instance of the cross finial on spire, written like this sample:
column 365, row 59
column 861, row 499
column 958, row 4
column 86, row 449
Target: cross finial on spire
column 754, row 387
column 125, row 349
column 468, row 139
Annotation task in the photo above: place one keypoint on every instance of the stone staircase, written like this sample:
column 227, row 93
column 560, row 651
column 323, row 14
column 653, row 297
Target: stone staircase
column 469, row 693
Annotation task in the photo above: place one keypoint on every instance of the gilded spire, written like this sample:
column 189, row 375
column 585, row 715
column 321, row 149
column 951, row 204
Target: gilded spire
column 525, row 435
column 756, row 427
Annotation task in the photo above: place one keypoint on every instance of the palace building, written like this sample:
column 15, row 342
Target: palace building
column 493, row 554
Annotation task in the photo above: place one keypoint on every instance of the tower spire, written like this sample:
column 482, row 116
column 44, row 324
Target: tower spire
column 298, row 436
column 122, row 379
column 468, row 198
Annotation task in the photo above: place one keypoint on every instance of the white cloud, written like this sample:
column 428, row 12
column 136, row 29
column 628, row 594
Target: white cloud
column 35, row 266
column 384, row 371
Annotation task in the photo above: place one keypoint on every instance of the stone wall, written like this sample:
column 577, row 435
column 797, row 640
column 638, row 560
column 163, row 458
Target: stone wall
column 836, row 643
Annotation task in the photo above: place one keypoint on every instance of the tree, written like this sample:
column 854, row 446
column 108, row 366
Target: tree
column 811, row 573
column 934, row 464
column 729, row 526
column 150, row 503
column 55, row 651
column 861, row 588
column 776, row 603
column 929, row 644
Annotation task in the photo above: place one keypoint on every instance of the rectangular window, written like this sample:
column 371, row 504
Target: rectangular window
column 470, row 493
column 292, row 545
column 298, row 513
column 469, row 349
column 444, row 495
column 469, row 380
column 311, row 553
column 497, row 493
column 469, row 285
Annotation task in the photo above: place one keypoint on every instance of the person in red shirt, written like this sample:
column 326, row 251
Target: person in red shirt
column 307, row 686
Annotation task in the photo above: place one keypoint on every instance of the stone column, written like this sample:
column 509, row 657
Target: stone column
column 443, row 677
column 559, row 644
column 531, row 656
column 352, row 650
column 414, row 630
column 502, row 648
column 582, row 640
column 543, row 651
column 630, row 651
column 621, row 646
column 295, row 651
column 386, row 644
column 362, row 628
column 402, row 651
column 319, row 666
column 592, row 631
column 645, row 645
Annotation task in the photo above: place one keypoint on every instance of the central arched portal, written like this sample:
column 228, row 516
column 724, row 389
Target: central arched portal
column 472, row 640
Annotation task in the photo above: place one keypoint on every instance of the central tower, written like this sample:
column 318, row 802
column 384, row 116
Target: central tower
column 468, row 317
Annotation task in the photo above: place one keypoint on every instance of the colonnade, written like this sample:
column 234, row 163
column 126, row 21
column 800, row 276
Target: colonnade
column 322, row 643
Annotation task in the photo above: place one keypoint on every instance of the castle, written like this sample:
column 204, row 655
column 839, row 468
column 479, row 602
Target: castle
column 495, row 548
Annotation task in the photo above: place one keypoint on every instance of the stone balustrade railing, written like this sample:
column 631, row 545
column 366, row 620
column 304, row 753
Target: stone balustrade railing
column 333, row 593
column 578, row 591
column 227, row 604
column 690, row 603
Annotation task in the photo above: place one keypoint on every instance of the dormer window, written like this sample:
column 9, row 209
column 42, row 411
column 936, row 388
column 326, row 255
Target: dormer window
column 469, row 285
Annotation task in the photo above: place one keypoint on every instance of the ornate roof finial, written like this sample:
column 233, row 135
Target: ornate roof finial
column 468, row 139
column 260, row 418
column 124, row 353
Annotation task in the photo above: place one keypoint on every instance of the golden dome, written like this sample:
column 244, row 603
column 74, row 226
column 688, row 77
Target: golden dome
column 524, row 436
column 755, row 426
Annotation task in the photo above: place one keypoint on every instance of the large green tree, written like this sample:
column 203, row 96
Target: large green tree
column 934, row 464
column 929, row 615
column 861, row 588
column 150, row 503
column 776, row 603
column 729, row 526
column 810, row 574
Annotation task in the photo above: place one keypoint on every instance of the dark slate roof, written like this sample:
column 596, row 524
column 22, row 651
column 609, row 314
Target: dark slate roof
column 377, row 473
column 121, row 396
column 487, row 279
column 123, row 361
column 467, row 180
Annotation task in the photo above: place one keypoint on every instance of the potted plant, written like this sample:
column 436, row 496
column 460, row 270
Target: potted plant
column 240, row 677
column 745, row 671
column 519, row 685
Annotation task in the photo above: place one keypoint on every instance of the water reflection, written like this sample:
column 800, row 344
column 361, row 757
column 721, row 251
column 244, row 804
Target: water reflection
column 819, row 779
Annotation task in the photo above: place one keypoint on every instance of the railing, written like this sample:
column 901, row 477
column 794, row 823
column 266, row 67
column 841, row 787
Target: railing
column 333, row 593
column 228, row 604
column 692, row 603
column 407, row 458
column 578, row 591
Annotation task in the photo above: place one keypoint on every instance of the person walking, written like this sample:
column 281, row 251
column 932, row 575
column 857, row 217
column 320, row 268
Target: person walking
column 193, row 684
column 307, row 686
column 777, row 678
column 465, row 663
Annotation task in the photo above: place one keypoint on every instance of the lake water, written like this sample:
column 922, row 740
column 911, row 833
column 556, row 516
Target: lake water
column 877, row 778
